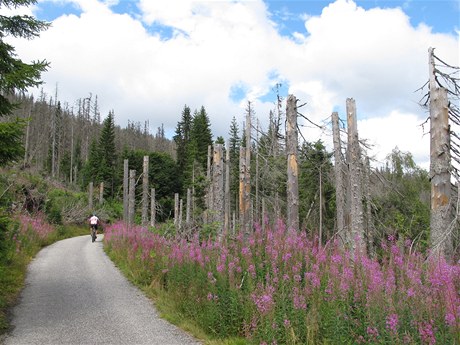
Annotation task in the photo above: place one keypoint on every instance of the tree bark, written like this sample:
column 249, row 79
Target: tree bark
column 153, row 207
column 125, row 191
column 218, row 187
column 176, row 211
column 339, row 170
column 90, row 196
column 131, row 196
column 145, row 191
column 227, row 189
column 441, row 237
column 101, row 193
column 355, row 202
column 292, row 164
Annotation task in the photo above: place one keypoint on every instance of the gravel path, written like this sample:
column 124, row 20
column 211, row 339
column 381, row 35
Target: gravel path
column 75, row 295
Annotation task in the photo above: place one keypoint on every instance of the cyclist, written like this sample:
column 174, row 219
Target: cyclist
column 94, row 222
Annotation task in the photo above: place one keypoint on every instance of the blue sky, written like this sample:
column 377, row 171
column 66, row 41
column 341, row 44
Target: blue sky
column 146, row 59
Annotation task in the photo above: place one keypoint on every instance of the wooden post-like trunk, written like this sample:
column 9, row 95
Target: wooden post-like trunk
column 101, row 193
column 131, row 196
column 227, row 190
column 245, row 180
column 145, row 191
column 292, row 164
column 217, row 206
column 339, row 170
column 125, row 190
column 176, row 210
column 441, row 217
column 90, row 196
column 355, row 234
column 153, row 208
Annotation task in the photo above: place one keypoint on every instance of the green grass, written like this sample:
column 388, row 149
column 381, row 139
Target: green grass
column 165, row 304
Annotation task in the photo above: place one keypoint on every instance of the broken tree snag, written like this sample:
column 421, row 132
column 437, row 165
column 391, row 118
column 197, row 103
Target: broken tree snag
column 145, row 191
column 369, row 224
column 241, row 201
column 244, row 197
column 227, row 190
column 90, row 196
column 176, row 211
column 355, row 235
column 292, row 164
column 218, row 187
column 188, row 211
column 153, row 207
column 101, row 193
column 125, row 190
column 440, row 169
column 339, row 170
column 247, row 174
column 131, row 196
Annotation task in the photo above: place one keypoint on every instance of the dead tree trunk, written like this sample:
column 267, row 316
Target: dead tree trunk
column 90, row 196
column 245, row 179
column 176, row 211
column 355, row 202
column 367, row 196
column 441, row 217
column 131, row 196
column 145, row 191
column 153, row 208
column 339, row 170
column 188, row 218
column 227, row 189
column 244, row 202
column 125, row 191
column 101, row 193
column 218, row 187
column 292, row 164
column 207, row 216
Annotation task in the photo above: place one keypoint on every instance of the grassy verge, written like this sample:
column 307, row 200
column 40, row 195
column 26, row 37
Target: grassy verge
column 15, row 259
column 164, row 302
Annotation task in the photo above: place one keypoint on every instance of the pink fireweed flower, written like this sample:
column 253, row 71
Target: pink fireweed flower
column 287, row 323
column 392, row 323
column 264, row 301
column 426, row 332
column 450, row 319
column 410, row 292
column 298, row 300
column 373, row 333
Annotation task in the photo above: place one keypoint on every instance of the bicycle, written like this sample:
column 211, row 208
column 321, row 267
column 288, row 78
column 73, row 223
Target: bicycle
column 93, row 233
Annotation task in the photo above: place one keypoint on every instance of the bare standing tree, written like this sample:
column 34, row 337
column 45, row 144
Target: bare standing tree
column 145, row 191
column 339, row 170
column 440, row 165
column 292, row 164
column 355, row 233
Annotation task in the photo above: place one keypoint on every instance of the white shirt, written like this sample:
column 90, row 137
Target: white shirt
column 93, row 220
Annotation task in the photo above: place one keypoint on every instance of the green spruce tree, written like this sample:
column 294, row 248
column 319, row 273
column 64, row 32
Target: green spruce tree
column 108, row 155
column 16, row 76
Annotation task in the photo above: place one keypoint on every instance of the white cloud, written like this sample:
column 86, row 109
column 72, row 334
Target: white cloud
column 374, row 56
column 404, row 131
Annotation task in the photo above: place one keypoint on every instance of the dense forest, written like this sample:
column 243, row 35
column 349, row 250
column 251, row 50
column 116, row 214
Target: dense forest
column 75, row 146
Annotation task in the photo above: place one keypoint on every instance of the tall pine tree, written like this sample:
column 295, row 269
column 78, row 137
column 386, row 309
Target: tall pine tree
column 182, row 140
column 108, row 154
column 15, row 75
column 201, row 137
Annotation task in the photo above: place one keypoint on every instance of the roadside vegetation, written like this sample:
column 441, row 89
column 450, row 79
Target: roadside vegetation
column 34, row 213
column 280, row 287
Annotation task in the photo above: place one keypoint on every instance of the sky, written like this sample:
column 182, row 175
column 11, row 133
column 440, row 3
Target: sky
column 146, row 59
